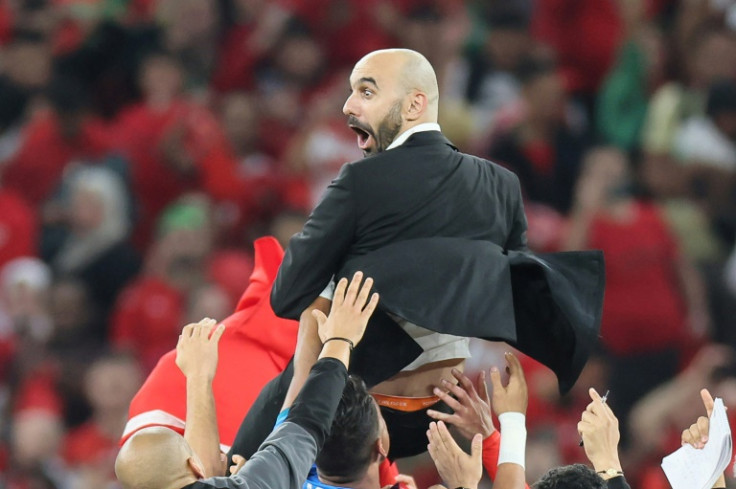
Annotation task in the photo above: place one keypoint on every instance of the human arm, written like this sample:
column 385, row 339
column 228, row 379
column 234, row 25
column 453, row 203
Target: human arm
column 314, row 255
column 284, row 459
column 196, row 357
column 697, row 434
column 651, row 417
column 599, row 428
column 510, row 403
column 471, row 414
column 472, row 417
column 693, row 291
column 308, row 347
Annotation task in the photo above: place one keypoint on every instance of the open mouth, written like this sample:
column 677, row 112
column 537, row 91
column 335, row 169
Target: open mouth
column 365, row 138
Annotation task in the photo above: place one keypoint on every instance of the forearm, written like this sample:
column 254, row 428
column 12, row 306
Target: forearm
column 578, row 230
column 510, row 476
column 692, row 286
column 201, row 432
column 504, row 475
column 308, row 349
column 315, row 406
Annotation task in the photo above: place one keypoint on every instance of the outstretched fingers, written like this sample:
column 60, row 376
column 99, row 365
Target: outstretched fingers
column 707, row 401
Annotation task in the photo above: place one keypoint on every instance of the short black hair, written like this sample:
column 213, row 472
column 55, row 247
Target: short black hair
column 532, row 68
column 68, row 95
column 721, row 98
column 577, row 476
column 347, row 452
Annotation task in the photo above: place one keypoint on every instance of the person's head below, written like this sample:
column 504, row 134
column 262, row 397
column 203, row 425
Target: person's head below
column 391, row 90
column 577, row 476
column 157, row 458
column 358, row 440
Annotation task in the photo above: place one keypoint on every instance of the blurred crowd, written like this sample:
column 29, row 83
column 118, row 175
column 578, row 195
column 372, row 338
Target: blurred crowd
column 144, row 144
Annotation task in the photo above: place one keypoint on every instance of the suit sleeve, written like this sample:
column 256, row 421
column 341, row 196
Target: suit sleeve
column 315, row 254
column 517, row 235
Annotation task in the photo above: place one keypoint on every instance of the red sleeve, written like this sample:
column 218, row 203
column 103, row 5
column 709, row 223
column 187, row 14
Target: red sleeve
column 491, row 447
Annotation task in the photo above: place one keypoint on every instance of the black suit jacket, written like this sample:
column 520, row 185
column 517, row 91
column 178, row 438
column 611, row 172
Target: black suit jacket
column 434, row 227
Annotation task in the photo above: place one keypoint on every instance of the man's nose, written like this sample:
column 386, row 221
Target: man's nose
column 349, row 107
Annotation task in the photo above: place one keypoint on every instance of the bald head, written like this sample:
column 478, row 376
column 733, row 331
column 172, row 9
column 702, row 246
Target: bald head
column 411, row 70
column 156, row 458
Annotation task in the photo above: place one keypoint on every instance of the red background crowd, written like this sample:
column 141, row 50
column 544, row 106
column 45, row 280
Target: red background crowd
column 144, row 145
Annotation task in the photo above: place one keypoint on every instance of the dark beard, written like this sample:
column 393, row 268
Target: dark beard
column 389, row 128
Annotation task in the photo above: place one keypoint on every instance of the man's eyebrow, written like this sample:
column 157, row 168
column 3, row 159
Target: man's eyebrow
column 368, row 79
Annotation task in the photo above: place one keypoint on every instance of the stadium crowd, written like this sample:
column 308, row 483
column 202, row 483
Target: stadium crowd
column 145, row 144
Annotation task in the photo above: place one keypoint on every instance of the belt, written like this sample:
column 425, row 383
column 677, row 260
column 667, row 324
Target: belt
column 406, row 404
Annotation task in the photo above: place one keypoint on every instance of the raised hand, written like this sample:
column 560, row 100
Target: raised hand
column 598, row 427
column 514, row 396
column 472, row 408
column 457, row 468
column 196, row 351
column 351, row 309
column 697, row 434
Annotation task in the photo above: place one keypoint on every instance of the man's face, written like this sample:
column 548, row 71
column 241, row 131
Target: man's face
column 374, row 107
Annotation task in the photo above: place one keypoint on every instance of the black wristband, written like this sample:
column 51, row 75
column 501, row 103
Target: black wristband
column 340, row 339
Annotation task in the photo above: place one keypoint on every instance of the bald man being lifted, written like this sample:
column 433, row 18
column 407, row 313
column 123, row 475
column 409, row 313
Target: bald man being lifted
column 444, row 236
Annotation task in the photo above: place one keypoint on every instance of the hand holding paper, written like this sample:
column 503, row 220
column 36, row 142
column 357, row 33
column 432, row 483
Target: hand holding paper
column 706, row 452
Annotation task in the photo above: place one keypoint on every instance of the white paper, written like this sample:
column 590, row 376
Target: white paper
column 692, row 468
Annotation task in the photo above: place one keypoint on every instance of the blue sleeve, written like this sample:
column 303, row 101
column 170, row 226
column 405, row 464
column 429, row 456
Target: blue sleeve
column 281, row 418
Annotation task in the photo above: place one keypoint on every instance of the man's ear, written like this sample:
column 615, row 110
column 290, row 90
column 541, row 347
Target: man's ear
column 380, row 449
column 196, row 468
column 418, row 102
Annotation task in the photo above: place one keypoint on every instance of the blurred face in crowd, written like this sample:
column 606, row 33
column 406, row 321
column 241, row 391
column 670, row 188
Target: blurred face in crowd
column 36, row 435
column 545, row 96
column 506, row 47
column 713, row 58
column 300, row 58
column 111, row 383
column 69, row 308
column 161, row 78
column 240, row 120
column 28, row 63
column 86, row 211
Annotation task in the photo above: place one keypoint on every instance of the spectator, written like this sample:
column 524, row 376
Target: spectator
column 150, row 310
column 655, row 302
column 174, row 144
column 93, row 245
column 89, row 450
column 542, row 149
column 36, row 436
column 53, row 139
column 492, row 81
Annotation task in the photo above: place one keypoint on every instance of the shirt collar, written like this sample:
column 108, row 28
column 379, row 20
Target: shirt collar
column 401, row 138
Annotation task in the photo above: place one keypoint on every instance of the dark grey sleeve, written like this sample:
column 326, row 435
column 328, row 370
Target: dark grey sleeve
column 517, row 236
column 282, row 462
column 618, row 483
column 284, row 459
